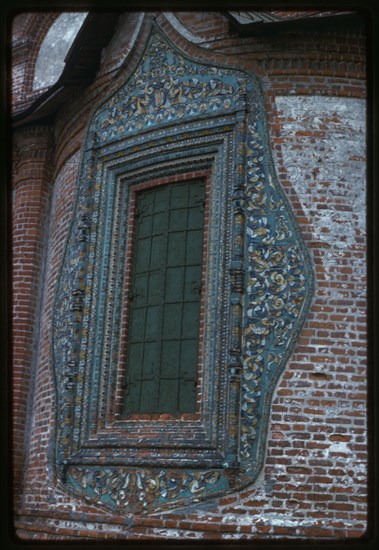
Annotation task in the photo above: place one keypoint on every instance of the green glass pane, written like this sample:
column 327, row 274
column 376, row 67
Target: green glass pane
column 155, row 295
column 145, row 203
column 142, row 255
column 160, row 223
column 178, row 220
column 158, row 251
column 172, row 321
column 170, row 359
column 151, row 360
column 188, row 358
column 153, row 323
column 148, row 396
column 168, row 396
column 179, row 194
column 176, row 251
column 135, row 359
column 194, row 253
column 174, row 284
column 190, row 320
column 132, row 397
column 195, row 218
column 165, row 299
column 192, row 283
column 161, row 199
column 187, row 395
column 140, row 290
column 137, row 325
column 196, row 196
column 145, row 225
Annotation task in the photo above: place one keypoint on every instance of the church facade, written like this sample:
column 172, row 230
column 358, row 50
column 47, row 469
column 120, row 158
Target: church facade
column 189, row 275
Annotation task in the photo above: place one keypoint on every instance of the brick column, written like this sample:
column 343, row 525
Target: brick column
column 33, row 148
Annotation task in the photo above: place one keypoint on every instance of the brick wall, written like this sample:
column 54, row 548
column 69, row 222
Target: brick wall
column 31, row 198
column 314, row 480
column 204, row 24
column 28, row 32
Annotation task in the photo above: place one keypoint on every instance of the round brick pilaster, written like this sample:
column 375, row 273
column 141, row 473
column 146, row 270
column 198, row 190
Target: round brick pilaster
column 32, row 168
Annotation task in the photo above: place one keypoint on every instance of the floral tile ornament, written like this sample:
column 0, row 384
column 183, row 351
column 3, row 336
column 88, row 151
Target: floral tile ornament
column 174, row 115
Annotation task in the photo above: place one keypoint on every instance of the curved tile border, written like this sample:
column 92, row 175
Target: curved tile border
column 184, row 104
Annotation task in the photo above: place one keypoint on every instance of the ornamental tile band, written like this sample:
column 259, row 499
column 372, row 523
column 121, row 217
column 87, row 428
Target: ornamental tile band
column 174, row 115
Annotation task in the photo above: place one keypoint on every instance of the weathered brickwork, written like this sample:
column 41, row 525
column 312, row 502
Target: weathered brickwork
column 313, row 484
column 31, row 199
column 28, row 32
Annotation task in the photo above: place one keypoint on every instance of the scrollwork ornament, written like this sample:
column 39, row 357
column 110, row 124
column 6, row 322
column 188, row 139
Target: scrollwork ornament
column 264, row 303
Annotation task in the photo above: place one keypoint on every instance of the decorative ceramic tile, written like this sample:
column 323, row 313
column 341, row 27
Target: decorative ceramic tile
column 175, row 115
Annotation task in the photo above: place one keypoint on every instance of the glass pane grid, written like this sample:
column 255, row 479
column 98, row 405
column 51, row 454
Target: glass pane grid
column 165, row 298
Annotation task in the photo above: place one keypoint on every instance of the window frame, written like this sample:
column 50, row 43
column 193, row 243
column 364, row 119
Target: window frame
column 44, row 51
column 251, row 323
column 203, row 175
column 195, row 438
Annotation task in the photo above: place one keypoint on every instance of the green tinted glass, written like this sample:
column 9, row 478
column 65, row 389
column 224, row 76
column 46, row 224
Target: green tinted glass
column 163, row 337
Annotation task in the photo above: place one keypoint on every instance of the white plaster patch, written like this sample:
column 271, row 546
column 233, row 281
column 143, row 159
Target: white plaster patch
column 323, row 152
column 361, row 468
column 229, row 518
column 284, row 520
column 339, row 447
column 177, row 534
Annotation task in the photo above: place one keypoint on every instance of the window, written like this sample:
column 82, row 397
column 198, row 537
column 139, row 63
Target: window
column 163, row 342
column 200, row 350
column 51, row 56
